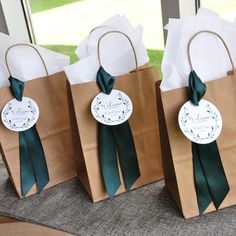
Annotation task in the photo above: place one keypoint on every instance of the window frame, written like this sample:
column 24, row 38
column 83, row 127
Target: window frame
column 18, row 21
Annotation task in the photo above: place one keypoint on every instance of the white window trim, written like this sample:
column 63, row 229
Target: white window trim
column 177, row 9
column 187, row 8
column 15, row 19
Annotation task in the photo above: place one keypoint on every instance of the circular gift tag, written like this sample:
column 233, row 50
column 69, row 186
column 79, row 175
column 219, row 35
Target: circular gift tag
column 201, row 124
column 112, row 109
column 20, row 115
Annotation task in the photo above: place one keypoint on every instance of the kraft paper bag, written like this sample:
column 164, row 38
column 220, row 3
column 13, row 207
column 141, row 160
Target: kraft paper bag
column 176, row 148
column 140, row 87
column 53, row 128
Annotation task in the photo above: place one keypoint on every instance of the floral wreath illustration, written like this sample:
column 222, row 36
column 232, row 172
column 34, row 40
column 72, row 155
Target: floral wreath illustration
column 194, row 135
column 107, row 120
column 25, row 125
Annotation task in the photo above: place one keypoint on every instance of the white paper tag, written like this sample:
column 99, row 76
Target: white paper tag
column 112, row 109
column 20, row 115
column 201, row 124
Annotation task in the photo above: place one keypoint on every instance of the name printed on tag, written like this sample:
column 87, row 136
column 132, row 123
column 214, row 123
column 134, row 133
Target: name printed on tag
column 112, row 109
column 201, row 124
column 20, row 115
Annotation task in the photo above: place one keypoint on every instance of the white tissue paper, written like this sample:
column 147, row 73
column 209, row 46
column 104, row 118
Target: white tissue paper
column 88, row 46
column 116, row 53
column 208, row 55
column 25, row 64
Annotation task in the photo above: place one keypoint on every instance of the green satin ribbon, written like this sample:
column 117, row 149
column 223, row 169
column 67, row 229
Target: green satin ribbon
column 112, row 138
column 210, row 181
column 33, row 166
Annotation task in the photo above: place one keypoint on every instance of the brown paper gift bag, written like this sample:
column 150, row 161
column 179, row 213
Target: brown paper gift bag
column 53, row 127
column 176, row 148
column 140, row 87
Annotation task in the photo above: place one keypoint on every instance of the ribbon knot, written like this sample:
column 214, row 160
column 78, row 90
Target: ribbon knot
column 197, row 88
column 33, row 166
column 105, row 81
column 17, row 88
column 116, row 138
column 209, row 176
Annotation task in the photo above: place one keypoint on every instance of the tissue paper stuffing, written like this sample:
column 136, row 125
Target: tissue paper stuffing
column 208, row 55
column 119, row 62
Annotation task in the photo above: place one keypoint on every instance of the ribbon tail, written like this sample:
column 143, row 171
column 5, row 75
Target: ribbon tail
column 210, row 180
column 37, row 158
column 26, row 168
column 203, row 195
column 127, row 153
column 108, row 160
column 33, row 166
column 214, row 172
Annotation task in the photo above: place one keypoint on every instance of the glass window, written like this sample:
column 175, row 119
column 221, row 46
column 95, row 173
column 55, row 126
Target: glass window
column 226, row 8
column 61, row 25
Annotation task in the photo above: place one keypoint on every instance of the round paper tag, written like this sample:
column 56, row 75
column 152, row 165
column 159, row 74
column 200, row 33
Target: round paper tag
column 201, row 124
column 20, row 115
column 112, row 109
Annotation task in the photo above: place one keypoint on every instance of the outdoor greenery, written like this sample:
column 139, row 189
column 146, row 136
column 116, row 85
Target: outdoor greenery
column 155, row 58
column 65, row 49
column 42, row 5
column 154, row 55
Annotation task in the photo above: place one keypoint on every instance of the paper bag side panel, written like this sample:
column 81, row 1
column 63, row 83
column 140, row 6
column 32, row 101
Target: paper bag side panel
column 167, row 161
column 78, row 152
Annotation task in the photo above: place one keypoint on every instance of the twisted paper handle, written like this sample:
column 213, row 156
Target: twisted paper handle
column 214, row 33
column 116, row 32
column 27, row 45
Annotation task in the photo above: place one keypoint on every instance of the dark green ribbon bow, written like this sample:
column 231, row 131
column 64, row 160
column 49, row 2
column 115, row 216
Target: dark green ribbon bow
column 116, row 137
column 33, row 166
column 210, row 180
